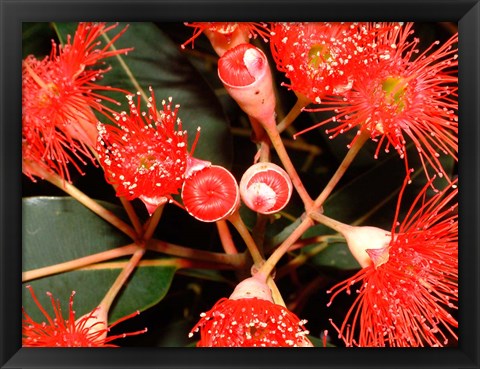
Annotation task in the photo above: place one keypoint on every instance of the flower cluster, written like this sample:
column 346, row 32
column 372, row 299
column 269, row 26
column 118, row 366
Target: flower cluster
column 375, row 79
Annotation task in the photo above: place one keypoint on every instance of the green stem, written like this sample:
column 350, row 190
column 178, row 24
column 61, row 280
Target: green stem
column 237, row 261
column 127, row 205
column 329, row 222
column 301, row 102
column 107, row 301
column 177, row 263
column 258, row 232
column 267, row 268
column 194, row 264
column 258, row 133
column 127, row 70
column 276, row 295
column 152, row 223
column 262, row 141
column 300, row 259
column 78, row 263
column 132, row 215
column 264, row 152
column 226, row 237
column 310, row 240
column 240, row 226
column 352, row 153
column 312, row 210
column 271, row 129
column 88, row 202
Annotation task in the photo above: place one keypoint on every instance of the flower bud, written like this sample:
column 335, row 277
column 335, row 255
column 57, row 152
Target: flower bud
column 210, row 194
column 245, row 73
column 368, row 244
column 252, row 287
column 265, row 188
column 250, row 318
column 194, row 165
column 95, row 323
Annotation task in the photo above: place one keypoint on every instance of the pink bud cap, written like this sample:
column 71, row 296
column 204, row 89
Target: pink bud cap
column 379, row 256
column 194, row 165
column 265, row 188
column 152, row 203
column 211, row 194
column 94, row 322
column 368, row 244
column 250, row 288
column 246, row 75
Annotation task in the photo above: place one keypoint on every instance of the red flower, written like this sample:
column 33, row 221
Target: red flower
column 406, row 295
column 145, row 156
column 226, row 35
column 89, row 330
column 320, row 58
column 397, row 95
column 249, row 318
column 58, row 95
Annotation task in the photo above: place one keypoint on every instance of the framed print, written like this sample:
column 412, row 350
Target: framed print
column 239, row 184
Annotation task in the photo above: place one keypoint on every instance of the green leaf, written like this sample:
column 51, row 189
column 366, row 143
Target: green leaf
column 158, row 62
column 59, row 229
column 336, row 255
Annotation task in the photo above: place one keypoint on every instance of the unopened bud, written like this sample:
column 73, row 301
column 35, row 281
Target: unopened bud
column 368, row 244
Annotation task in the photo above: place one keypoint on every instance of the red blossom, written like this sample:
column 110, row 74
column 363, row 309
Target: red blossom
column 90, row 330
column 399, row 95
column 250, row 322
column 145, row 156
column 405, row 297
column 58, row 95
column 250, row 318
column 225, row 35
column 320, row 58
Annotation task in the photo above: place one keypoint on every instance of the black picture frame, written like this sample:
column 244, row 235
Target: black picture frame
column 14, row 12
